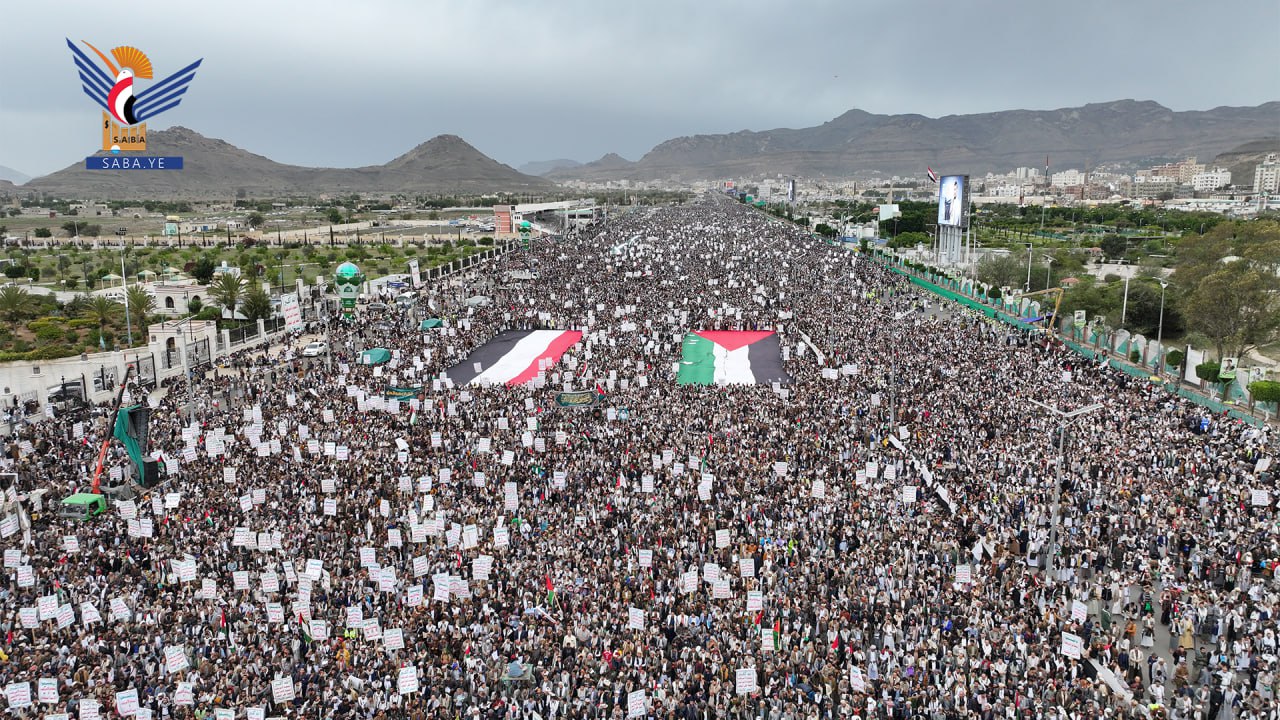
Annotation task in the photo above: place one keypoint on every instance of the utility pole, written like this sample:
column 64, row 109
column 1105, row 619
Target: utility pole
column 1064, row 420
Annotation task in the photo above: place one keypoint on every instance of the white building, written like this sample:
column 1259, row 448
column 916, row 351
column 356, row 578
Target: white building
column 1067, row 178
column 1266, row 176
column 1211, row 180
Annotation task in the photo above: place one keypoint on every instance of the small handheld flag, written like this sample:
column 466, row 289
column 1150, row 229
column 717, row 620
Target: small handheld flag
column 932, row 175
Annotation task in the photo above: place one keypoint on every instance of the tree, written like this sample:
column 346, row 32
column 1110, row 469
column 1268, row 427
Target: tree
column 141, row 304
column 1267, row 391
column 334, row 216
column 257, row 304
column 44, row 233
column 1001, row 271
column 909, row 239
column 194, row 304
column 15, row 303
column 1236, row 307
column 1114, row 246
column 14, row 270
column 255, row 220
column 203, row 269
column 102, row 309
column 227, row 290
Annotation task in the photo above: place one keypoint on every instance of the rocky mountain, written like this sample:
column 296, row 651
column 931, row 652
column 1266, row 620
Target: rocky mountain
column 1242, row 160
column 542, row 167
column 862, row 142
column 213, row 168
column 610, row 166
column 12, row 175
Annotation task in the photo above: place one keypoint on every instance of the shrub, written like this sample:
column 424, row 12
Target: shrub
column 1208, row 371
column 1265, row 391
column 1135, row 356
column 49, row 334
column 1174, row 358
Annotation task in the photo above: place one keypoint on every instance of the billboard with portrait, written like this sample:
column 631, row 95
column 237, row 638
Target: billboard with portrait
column 953, row 200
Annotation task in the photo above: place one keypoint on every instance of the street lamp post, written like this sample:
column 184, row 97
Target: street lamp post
column 1028, row 288
column 1065, row 418
column 1048, row 271
column 1160, row 329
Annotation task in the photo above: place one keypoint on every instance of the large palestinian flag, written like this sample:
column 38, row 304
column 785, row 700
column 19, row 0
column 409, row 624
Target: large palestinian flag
column 511, row 357
column 730, row 357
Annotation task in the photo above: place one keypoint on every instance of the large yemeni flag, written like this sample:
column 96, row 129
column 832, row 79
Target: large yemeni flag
column 730, row 357
column 511, row 357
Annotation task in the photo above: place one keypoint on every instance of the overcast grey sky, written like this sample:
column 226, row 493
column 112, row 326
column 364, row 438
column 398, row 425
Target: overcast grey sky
column 343, row 84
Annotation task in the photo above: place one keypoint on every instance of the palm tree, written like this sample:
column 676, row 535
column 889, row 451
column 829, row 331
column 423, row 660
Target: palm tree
column 141, row 304
column 257, row 304
column 15, row 303
column 103, row 309
column 227, row 289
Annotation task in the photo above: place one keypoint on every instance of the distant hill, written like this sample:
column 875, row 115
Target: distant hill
column 860, row 142
column 542, row 167
column 213, row 168
column 12, row 175
column 1242, row 160
column 610, row 166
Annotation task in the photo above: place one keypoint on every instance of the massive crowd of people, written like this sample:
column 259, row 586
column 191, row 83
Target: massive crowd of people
column 874, row 538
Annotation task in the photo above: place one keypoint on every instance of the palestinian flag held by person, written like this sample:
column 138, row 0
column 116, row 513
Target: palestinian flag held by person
column 730, row 357
column 306, row 628
column 511, row 358
column 932, row 175
column 551, row 592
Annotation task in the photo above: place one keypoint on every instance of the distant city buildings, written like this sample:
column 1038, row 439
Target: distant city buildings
column 1266, row 176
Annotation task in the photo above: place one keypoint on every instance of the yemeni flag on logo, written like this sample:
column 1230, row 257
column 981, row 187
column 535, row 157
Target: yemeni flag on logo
column 511, row 358
column 730, row 357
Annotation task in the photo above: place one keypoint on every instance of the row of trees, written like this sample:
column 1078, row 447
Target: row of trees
column 1225, row 286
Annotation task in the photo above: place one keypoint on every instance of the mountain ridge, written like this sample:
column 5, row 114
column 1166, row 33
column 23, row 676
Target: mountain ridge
column 214, row 168
column 1119, row 131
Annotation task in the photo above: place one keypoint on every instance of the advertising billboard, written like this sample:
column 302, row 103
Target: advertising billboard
column 953, row 200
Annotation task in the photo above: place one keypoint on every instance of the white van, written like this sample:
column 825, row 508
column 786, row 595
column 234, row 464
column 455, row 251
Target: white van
column 406, row 299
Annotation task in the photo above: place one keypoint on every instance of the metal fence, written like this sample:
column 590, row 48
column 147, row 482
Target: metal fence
column 198, row 352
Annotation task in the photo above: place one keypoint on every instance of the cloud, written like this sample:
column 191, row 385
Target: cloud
column 346, row 84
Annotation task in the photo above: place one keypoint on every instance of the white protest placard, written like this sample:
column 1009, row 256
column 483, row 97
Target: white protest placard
column 407, row 680
column 127, row 702
column 635, row 704
column 175, row 659
column 255, row 713
column 744, row 681
column 646, row 558
column 909, row 494
column 90, row 614
column 501, row 536
column 964, row 575
column 47, row 691
column 1259, row 497
column 282, row 690
column 857, row 681
column 90, row 709
column 184, row 694
column 722, row 538
column 1079, row 611
column 635, row 619
column 818, row 489
column 1072, row 645
column 720, row 590
column 393, row 638
column 18, row 694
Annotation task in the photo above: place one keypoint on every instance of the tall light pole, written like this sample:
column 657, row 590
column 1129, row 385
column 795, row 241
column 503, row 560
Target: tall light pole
column 1160, row 329
column 1048, row 271
column 1028, row 288
column 124, row 277
column 1124, row 307
column 1064, row 419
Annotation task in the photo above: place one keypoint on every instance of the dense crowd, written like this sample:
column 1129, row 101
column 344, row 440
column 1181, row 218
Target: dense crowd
column 873, row 538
